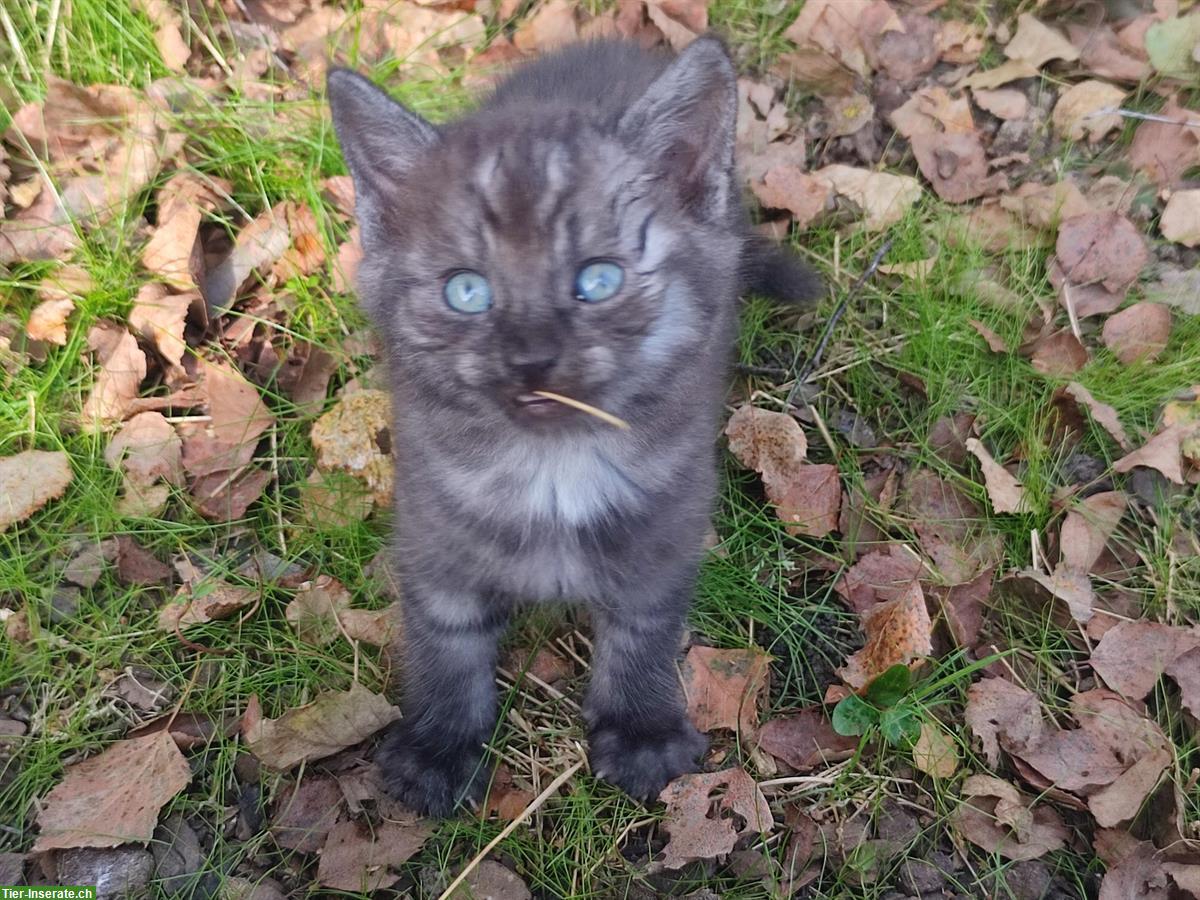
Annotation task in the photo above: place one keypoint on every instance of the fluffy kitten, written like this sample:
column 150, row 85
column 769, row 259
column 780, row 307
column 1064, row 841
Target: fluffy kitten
column 583, row 233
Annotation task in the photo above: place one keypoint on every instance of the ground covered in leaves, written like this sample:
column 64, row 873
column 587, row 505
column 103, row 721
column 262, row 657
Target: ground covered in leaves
column 944, row 643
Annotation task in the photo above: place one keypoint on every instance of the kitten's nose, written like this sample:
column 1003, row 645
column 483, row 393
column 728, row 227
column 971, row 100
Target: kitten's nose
column 532, row 368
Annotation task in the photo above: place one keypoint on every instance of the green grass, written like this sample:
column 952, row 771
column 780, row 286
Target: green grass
column 762, row 589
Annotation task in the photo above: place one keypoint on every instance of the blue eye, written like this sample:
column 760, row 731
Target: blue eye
column 598, row 281
column 468, row 292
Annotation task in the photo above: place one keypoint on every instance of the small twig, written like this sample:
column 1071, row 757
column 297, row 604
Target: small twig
column 584, row 407
column 510, row 828
column 1145, row 117
column 815, row 359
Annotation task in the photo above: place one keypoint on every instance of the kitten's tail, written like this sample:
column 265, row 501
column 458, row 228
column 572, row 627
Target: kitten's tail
column 771, row 271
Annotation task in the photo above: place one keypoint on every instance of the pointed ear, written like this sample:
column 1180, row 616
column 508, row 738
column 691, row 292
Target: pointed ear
column 380, row 139
column 686, row 122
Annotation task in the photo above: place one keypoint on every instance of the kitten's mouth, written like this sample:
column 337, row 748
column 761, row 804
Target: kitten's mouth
column 541, row 406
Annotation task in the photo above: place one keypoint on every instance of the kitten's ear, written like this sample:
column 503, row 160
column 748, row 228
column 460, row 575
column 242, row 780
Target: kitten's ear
column 686, row 123
column 380, row 139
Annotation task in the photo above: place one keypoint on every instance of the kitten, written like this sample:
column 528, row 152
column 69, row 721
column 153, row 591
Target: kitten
column 581, row 233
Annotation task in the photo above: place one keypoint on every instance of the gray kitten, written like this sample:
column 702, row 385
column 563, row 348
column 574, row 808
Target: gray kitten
column 581, row 233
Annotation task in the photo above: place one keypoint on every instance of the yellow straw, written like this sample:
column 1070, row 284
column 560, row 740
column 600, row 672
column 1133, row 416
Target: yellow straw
column 583, row 407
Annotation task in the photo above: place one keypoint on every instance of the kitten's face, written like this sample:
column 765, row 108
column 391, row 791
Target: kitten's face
column 544, row 257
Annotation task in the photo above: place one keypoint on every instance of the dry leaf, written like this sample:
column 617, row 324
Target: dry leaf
column 114, row 797
column 1166, row 150
column 1008, row 71
column 1046, row 205
column 1003, row 104
column 258, row 247
column 303, row 813
column 949, row 527
column 1075, row 114
column 207, row 600
column 1162, row 452
column 833, row 26
column 48, row 321
column 1102, row 53
column 355, row 437
column 1037, row 43
column 492, row 881
column 680, row 21
column 29, row 480
column 1101, row 246
column 847, row 114
column 1132, row 656
column 898, row 632
column 1058, row 354
column 173, row 253
column 881, row 575
column 805, row 740
column 146, row 450
column 906, row 52
column 159, row 317
column 361, row 857
column 787, row 187
column 960, row 42
column 122, row 368
column 935, row 752
column 930, row 108
column 1003, row 715
column 956, row 166
column 1180, row 221
column 316, row 609
column 551, row 25
column 1138, row 333
column 1005, row 492
column 723, row 688
column 168, row 38
column 703, row 815
column 997, row 818
column 1102, row 413
column 994, row 341
column 332, row 722
column 1073, row 588
column 1087, row 528
column 884, row 198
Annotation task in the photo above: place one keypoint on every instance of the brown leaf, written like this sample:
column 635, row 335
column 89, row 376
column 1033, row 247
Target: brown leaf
column 1166, row 150
column 884, row 198
column 29, row 480
column 787, row 187
column 833, row 26
column 504, row 799
column 846, row 114
column 1075, row 114
column 1046, row 205
column 48, row 321
column 1101, row 246
column 361, row 857
column 906, row 52
column 994, row 341
column 881, row 575
column 1008, row 71
column 159, row 317
column 315, row 610
column 122, row 368
column 168, row 37
column 1102, row 53
column 1087, row 528
column 1037, row 43
column 1162, row 452
column 304, row 812
column 897, row 632
column 1104, row 414
column 334, row 500
column 963, row 606
column 771, row 443
column 492, row 881
column 680, row 21
column 173, row 253
column 723, row 687
column 114, row 797
column 1180, row 221
column 345, row 265
column 146, row 449
column 1005, row 492
column 935, row 752
column 948, row 527
column 703, row 814
column 960, row 42
column 258, row 247
column 805, row 740
column 1140, row 332
column 552, row 25
column 930, row 108
column 998, row 818
column 332, row 722
column 1003, row 104
column 1003, row 715
column 1132, row 656
column 355, row 437
column 810, row 501
column 137, row 565
column 956, row 166
column 1058, row 354
column 204, row 601
column 1073, row 588
column 1121, row 800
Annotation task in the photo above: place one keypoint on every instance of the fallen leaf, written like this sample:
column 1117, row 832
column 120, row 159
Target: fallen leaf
column 48, row 321
column 345, row 265
column 724, row 687
column 492, row 881
column 833, row 26
column 122, row 368
column 1058, row 354
column 844, row 115
column 810, row 501
column 334, row 500
column 1101, row 246
column 1046, row 205
column 994, row 341
column 898, row 632
column 1132, row 656
column 137, row 565
column 956, row 166
column 1180, row 221
column 504, row 799
column 1138, row 333
column 29, row 480
column 1003, row 715
column 805, row 740
column 1102, row 413
column 552, row 25
column 303, row 812
column 960, row 42
column 114, row 797
column 935, row 752
column 680, row 21
column 1005, row 73
column 1103, row 54
column 1036, row 43
column 949, row 527
column 316, row 609
column 787, row 187
column 1162, row 452
column 1165, row 150
column 703, row 815
column 204, row 601
column 1073, row 588
column 1076, row 114
column 931, row 109
column 1005, row 492
column 772, row 443
column 1087, row 528
column 361, row 857
column 173, row 252
column 332, row 722
column 884, row 198
column 1003, row 104
column 159, row 317
column 355, row 437
column 258, row 247
column 963, row 606
column 168, row 37
column 1121, row 800
column 998, row 818
column 906, row 52
column 1171, row 46
column 146, row 450
column 881, row 575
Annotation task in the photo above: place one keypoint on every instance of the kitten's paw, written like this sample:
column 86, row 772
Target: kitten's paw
column 430, row 780
column 642, row 761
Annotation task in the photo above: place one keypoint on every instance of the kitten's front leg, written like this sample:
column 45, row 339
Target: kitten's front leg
column 640, row 736
column 432, row 759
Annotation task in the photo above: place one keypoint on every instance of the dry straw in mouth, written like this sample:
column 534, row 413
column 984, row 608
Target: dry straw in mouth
column 583, row 407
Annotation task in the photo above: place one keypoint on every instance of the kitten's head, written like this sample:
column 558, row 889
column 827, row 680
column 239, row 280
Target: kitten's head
column 545, row 247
